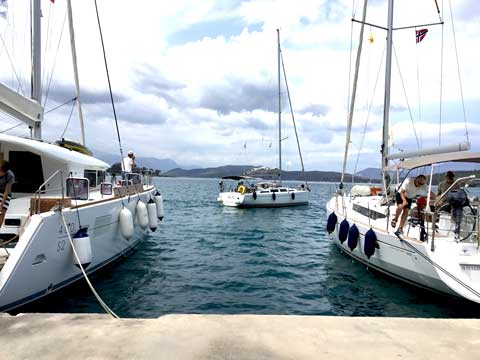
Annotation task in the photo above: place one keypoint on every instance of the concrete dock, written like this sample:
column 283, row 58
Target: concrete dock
column 47, row 336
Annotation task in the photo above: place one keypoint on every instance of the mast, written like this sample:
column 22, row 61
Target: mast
column 75, row 69
column 354, row 92
column 388, row 77
column 36, row 81
column 279, row 111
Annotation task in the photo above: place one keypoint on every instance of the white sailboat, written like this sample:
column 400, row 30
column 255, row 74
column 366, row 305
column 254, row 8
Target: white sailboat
column 249, row 194
column 66, row 215
column 439, row 250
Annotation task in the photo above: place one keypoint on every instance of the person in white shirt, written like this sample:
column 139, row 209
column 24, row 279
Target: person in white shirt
column 129, row 162
column 409, row 190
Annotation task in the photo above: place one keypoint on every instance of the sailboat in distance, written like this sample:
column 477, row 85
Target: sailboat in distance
column 438, row 246
column 246, row 192
column 67, row 216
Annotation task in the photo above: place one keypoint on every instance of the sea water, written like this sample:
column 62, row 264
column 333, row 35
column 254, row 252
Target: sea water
column 208, row 259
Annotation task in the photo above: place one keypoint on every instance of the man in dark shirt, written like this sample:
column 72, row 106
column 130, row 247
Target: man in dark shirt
column 7, row 178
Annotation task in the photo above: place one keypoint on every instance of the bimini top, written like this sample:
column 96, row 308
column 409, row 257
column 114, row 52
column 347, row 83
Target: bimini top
column 239, row 177
column 54, row 152
column 416, row 162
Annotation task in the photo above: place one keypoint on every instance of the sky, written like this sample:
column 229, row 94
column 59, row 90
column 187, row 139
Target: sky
column 196, row 81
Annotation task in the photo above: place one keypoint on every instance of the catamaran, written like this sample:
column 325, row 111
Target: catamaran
column 67, row 218
column 439, row 247
column 249, row 194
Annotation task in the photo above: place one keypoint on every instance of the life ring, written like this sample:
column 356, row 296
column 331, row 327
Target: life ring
column 241, row 189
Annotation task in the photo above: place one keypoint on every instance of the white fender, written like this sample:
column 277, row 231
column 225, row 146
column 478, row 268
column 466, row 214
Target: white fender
column 126, row 223
column 83, row 248
column 142, row 214
column 152, row 215
column 159, row 203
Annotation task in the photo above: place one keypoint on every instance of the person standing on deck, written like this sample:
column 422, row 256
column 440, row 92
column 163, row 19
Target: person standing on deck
column 7, row 178
column 410, row 189
column 128, row 163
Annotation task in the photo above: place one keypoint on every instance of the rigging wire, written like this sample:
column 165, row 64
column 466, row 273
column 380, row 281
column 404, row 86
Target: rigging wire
column 59, row 106
column 109, row 83
column 11, row 128
column 293, row 117
column 418, row 83
column 362, row 140
column 458, row 70
column 55, row 60
column 441, row 78
column 406, row 97
column 13, row 67
column 68, row 121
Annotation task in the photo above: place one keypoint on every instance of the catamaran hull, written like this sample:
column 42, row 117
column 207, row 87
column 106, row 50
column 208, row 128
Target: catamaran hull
column 414, row 263
column 42, row 262
column 235, row 199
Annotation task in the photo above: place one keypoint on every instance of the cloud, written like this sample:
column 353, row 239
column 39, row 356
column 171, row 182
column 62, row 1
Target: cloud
column 238, row 95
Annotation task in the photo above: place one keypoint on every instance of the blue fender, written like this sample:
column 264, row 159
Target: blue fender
column 343, row 231
column 370, row 243
column 331, row 222
column 353, row 235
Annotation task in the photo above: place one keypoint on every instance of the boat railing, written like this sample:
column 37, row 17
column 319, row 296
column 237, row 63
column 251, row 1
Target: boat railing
column 473, row 218
column 42, row 190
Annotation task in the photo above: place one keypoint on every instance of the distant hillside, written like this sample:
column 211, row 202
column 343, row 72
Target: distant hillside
column 147, row 162
column 213, row 172
column 370, row 173
column 221, row 171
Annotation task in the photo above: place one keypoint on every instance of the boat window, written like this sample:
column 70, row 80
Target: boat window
column 273, row 190
column 263, row 191
column 372, row 214
column 91, row 175
column 100, row 177
column 283, row 190
column 28, row 171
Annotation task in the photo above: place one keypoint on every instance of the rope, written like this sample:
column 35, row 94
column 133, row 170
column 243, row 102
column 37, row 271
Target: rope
column 458, row 70
column 109, row 84
column 453, row 277
column 99, row 299
column 406, row 97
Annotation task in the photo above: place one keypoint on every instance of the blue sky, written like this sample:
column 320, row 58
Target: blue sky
column 196, row 81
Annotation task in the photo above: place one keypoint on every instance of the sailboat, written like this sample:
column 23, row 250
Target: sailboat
column 67, row 217
column 438, row 249
column 249, row 193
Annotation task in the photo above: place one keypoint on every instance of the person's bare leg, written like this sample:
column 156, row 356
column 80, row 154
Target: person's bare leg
column 398, row 212
column 2, row 216
column 403, row 219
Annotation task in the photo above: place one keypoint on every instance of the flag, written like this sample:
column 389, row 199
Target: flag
column 3, row 8
column 420, row 34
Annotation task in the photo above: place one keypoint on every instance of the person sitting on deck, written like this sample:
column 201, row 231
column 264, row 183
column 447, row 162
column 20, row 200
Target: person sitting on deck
column 447, row 183
column 7, row 178
column 410, row 189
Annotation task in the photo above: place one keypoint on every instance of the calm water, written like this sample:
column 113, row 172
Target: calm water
column 205, row 258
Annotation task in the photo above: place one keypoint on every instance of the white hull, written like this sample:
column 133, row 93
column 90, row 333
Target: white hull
column 42, row 261
column 247, row 200
column 453, row 268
